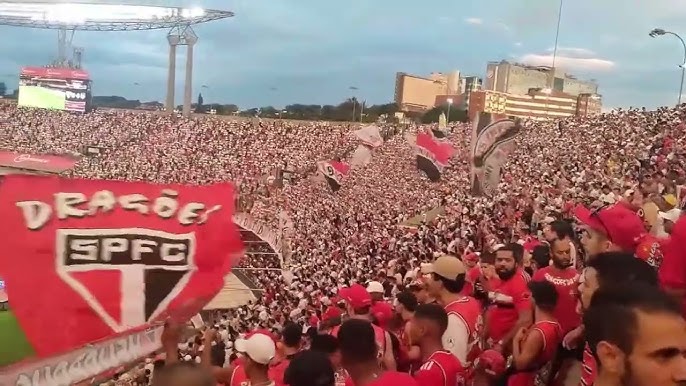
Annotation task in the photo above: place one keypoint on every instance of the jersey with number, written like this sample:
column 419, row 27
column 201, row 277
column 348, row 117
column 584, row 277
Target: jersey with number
column 468, row 311
column 441, row 369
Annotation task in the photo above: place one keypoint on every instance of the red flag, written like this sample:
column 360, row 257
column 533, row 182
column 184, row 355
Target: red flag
column 87, row 260
column 440, row 151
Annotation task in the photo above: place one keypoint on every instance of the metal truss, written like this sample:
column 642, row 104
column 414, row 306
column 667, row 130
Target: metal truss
column 117, row 25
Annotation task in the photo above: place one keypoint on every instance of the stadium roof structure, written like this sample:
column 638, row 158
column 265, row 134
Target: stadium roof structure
column 79, row 15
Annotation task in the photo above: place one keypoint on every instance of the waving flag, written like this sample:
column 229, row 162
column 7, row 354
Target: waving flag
column 493, row 139
column 370, row 136
column 93, row 268
column 432, row 155
column 334, row 172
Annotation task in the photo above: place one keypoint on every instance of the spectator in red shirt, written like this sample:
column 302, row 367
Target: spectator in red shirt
column 638, row 336
column 445, row 283
column 510, row 301
column 565, row 278
column 439, row 367
column 382, row 311
column 607, row 269
column 406, row 304
column 672, row 272
column 258, row 350
column 291, row 342
column 533, row 348
column 358, row 348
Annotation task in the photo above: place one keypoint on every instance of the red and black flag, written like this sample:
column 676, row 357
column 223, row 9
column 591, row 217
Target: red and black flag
column 104, row 264
column 334, row 172
column 493, row 139
column 432, row 155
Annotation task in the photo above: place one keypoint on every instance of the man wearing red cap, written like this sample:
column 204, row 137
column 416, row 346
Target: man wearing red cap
column 358, row 304
column 610, row 229
column 614, row 228
column 672, row 272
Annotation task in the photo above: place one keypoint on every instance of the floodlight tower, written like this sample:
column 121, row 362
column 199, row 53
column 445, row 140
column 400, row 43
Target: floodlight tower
column 181, row 35
column 106, row 15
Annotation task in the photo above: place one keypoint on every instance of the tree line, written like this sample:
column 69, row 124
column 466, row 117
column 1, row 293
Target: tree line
column 350, row 109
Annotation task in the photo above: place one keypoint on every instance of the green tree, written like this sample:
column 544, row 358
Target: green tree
column 225, row 109
column 268, row 112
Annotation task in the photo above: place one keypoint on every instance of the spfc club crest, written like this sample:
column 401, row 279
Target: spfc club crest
column 127, row 276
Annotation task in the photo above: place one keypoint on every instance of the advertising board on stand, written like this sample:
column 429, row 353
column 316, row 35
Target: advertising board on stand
column 37, row 162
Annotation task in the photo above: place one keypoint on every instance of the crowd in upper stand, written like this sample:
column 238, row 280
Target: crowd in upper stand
column 382, row 225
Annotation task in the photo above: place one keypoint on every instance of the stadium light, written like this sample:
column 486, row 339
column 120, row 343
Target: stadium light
column 661, row 32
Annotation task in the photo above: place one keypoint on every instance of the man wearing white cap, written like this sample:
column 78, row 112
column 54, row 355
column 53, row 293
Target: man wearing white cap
column 669, row 218
column 381, row 310
column 256, row 351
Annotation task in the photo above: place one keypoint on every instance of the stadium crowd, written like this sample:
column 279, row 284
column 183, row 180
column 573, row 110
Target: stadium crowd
column 552, row 281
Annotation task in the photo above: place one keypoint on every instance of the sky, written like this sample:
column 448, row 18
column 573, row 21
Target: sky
column 278, row 52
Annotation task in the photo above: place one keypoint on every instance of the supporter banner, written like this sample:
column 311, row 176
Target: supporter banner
column 370, row 136
column 37, row 162
column 493, row 139
column 265, row 232
column 105, row 258
column 334, row 172
column 87, row 362
column 432, row 155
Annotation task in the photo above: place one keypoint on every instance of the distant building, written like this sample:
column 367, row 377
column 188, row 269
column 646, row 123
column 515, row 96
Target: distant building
column 518, row 79
column 418, row 94
column 536, row 105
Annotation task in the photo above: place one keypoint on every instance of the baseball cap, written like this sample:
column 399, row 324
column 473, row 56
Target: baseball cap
column 448, row 267
column 331, row 312
column 356, row 295
column 471, row 256
column 622, row 226
column 670, row 215
column 258, row 346
column 492, row 362
column 375, row 286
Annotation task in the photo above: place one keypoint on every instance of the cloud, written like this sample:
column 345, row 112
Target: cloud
column 570, row 58
column 473, row 21
column 518, row 44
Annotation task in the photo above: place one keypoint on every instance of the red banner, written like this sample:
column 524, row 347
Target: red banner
column 98, row 259
column 55, row 73
column 39, row 162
